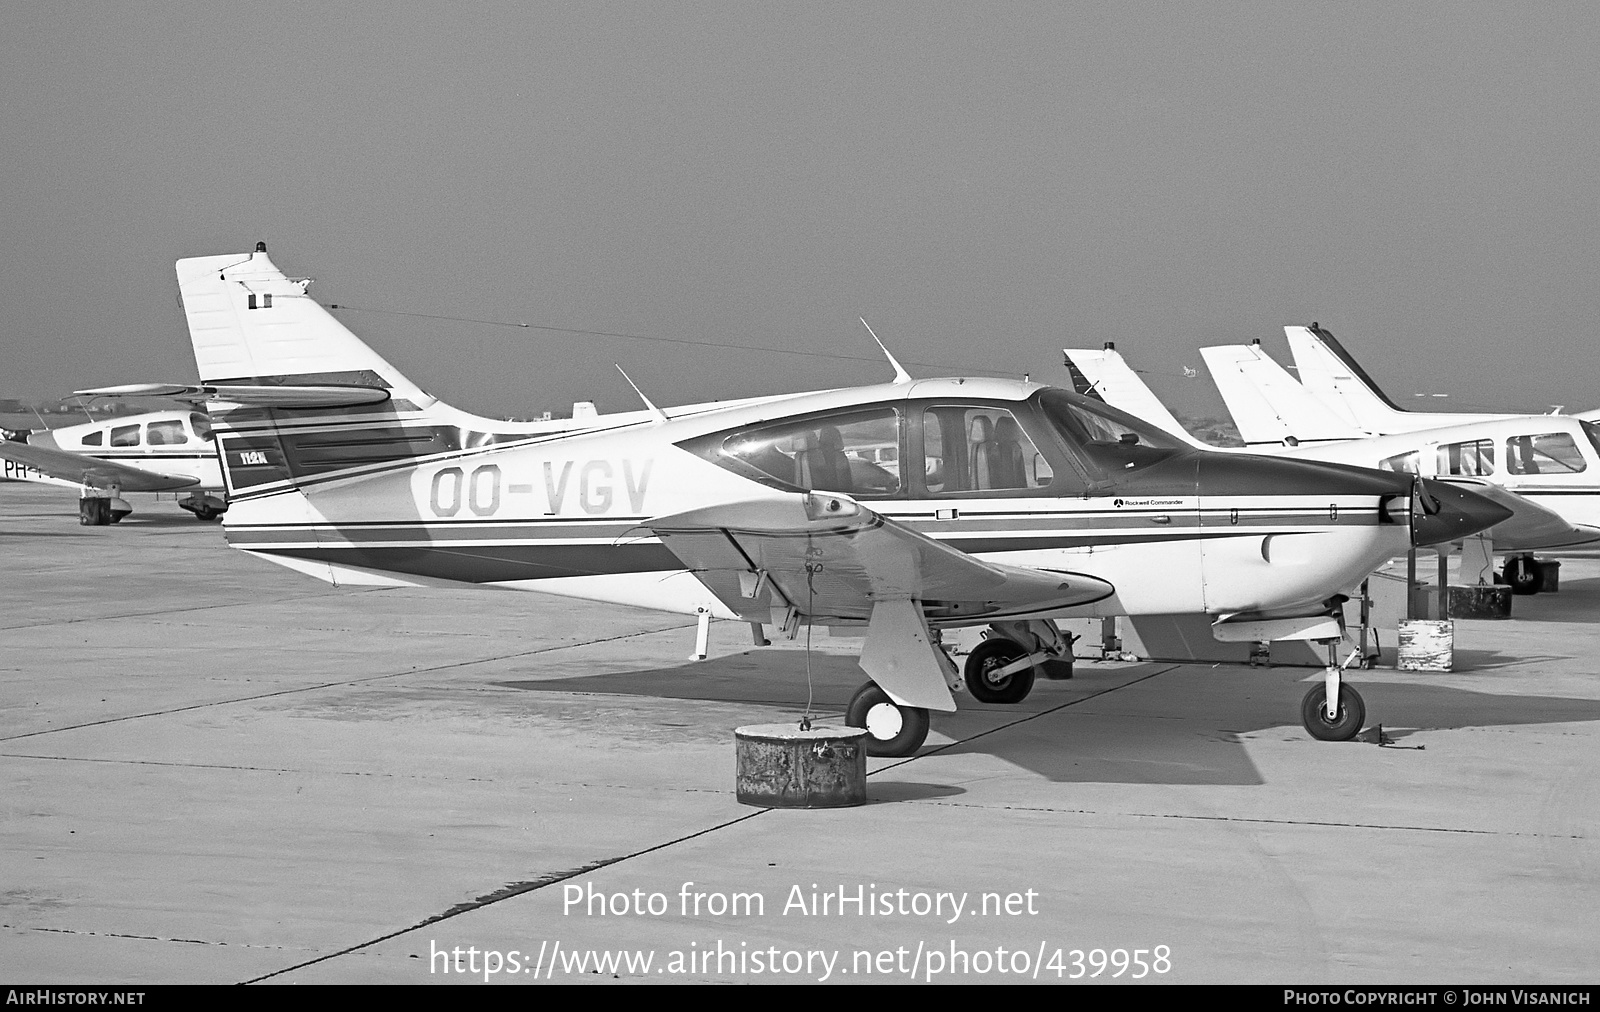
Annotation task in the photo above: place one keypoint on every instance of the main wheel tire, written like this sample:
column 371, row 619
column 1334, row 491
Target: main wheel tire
column 892, row 730
column 205, row 514
column 988, row 656
column 1522, row 574
column 1314, row 714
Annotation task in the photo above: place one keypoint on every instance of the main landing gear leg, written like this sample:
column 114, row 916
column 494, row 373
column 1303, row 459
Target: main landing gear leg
column 1003, row 667
column 1334, row 711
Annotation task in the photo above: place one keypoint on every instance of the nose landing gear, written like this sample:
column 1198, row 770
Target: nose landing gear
column 1334, row 711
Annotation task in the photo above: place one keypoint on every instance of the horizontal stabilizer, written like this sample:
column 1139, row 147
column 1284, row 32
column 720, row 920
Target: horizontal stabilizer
column 253, row 394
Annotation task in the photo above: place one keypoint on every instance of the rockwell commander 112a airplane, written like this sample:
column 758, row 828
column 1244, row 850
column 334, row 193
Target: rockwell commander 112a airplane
column 904, row 509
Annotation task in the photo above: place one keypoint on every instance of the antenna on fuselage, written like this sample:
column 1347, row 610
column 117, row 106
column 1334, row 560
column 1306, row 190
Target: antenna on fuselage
column 900, row 374
column 661, row 416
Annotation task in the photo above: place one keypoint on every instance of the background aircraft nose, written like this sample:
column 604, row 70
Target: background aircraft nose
column 1443, row 512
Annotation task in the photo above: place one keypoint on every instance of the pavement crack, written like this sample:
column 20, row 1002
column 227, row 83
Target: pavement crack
column 348, row 682
column 513, row 889
column 1325, row 823
column 142, row 938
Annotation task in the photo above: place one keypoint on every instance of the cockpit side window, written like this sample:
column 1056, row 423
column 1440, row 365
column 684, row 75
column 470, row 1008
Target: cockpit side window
column 1473, row 457
column 833, row 453
column 168, row 433
column 125, row 435
column 1549, row 453
column 979, row 449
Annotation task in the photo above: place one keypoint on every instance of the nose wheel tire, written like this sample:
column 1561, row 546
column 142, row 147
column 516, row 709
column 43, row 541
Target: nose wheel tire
column 1522, row 575
column 989, row 656
column 1344, row 726
column 892, row 730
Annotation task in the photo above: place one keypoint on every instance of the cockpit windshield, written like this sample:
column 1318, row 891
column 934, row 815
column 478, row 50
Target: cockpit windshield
column 1592, row 430
column 1113, row 440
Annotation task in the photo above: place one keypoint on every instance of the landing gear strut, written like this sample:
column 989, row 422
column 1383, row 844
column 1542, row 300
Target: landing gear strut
column 999, row 671
column 892, row 730
column 1334, row 711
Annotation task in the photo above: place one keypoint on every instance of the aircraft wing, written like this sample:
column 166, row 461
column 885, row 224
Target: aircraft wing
column 92, row 471
column 1531, row 525
column 832, row 559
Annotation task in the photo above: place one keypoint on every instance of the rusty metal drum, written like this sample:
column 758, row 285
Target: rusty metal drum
column 781, row 766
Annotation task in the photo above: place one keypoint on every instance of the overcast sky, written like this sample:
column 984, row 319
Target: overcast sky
column 984, row 182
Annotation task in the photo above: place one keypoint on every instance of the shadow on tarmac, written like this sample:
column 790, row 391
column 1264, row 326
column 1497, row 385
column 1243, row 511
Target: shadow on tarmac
column 1185, row 725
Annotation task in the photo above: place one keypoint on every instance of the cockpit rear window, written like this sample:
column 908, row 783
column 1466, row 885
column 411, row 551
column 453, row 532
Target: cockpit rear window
column 856, row 453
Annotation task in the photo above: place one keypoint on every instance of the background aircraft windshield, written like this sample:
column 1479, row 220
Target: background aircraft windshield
column 1113, row 440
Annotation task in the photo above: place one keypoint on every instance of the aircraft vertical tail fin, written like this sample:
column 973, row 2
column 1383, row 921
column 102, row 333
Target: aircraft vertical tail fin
column 274, row 363
column 1333, row 375
column 250, row 323
column 1267, row 405
column 1106, row 376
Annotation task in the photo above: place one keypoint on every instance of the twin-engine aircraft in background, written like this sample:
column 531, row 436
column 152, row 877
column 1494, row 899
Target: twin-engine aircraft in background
column 903, row 509
column 1548, row 466
column 1337, row 380
column 162, row 451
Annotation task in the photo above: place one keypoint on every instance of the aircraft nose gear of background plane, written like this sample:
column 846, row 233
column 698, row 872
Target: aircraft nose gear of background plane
column 1002, row 668
column 892, row 730
column 1522, row 573
column 1334, row 711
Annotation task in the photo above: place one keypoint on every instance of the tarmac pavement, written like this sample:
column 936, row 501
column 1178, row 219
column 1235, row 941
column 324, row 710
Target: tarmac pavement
column 217, row 770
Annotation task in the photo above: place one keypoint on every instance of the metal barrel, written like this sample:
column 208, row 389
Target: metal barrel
column 780, row 766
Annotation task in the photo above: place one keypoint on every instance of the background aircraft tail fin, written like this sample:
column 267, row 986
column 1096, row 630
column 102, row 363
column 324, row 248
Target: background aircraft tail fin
column 1333, row 375
column 1267, row 405
column 1105, row 376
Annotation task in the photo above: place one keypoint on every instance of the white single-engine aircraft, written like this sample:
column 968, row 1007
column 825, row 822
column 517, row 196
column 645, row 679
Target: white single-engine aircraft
column 1547, row 465
column 1020, row 504
column 162, row 451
